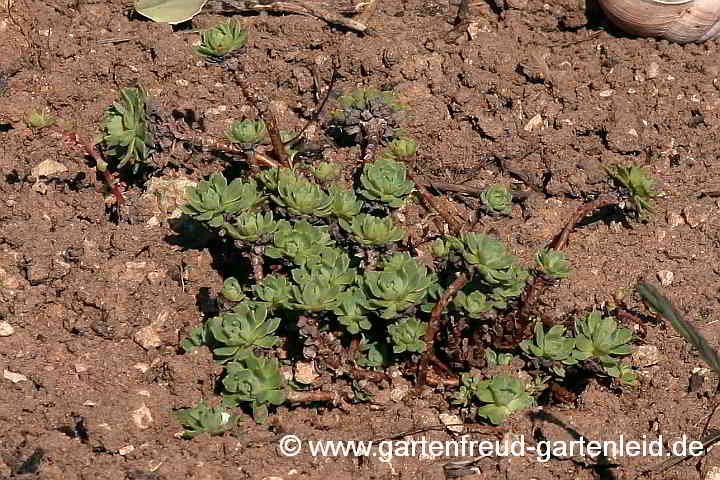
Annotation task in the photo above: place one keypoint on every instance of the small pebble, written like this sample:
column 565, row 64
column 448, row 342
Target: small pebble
column 452, row 422
column 126, row 450
column 6, row 329
column 14, row 377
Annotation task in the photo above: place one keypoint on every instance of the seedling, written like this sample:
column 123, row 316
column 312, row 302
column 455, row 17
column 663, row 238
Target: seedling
column 221, row 41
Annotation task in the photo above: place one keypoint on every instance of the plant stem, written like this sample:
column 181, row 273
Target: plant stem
column 436, row 323
column 89, row 149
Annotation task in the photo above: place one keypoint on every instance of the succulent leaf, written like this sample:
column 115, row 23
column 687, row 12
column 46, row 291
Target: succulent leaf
column 553, row 263
column 600, row 337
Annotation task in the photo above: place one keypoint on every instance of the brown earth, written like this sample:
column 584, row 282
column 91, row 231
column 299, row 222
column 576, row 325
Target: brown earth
column 547, row 90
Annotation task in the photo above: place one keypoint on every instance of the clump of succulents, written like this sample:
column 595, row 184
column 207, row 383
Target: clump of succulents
column 502, row 395
column 221, row 40
column 127, row 133
column 333, row 264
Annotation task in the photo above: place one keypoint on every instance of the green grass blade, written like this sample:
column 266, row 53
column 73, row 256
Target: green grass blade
column 664, row 307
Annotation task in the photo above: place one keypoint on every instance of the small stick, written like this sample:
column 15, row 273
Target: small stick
column 561, row 239
column 89, row 149
column 294, row 396
column 436, row 317
column 210, row 142
column 299, row 8
column 455, row 226
column 278, row 146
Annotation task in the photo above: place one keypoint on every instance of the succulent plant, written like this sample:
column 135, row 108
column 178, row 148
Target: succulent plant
column 352, row 310
column 298, row 242
column 330, row 263
column 400, row 149
column 386, row 181
column 475, row 304
column 232, row 290
column 511, row 283
column 274, row 290
column 222, row 40
column 639, row 185
column 600, row 337
column 40, row 120
column 503, row 395
column 497, row 199
column 363, row 107
column 402, row 283
column 371, row 230
column 197, row 338
column 494, row 358
column 554, row 347
column 407, row 335
column 316, row 294
column 272, row 176
column 302, row 197
column 241, row 330
column 345, row 204
column 212, row 199
column 624, row 373
column 127, row 132
column 256, row 380
column 373, row 355
column 487, row 255
column 325, row 171
column 553, row 263
column 248, row 133
column 254, row 227
column 205, row 419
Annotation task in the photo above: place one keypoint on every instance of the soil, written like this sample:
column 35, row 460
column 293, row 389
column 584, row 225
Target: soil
column 537, row 96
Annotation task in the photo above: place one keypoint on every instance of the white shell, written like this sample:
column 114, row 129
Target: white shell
column 680, row 21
